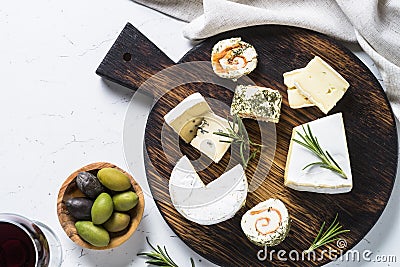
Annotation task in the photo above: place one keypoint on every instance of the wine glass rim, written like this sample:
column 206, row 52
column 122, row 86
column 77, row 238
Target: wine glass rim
column 8, row 218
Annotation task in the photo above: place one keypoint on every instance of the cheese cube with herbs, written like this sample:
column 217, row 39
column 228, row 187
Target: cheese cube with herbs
column 256, row 102
column 195, row 123
column 321, row 84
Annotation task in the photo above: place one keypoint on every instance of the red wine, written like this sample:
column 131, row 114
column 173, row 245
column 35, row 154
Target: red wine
column 16, row 247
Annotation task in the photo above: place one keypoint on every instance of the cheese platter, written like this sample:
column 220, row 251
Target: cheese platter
column 353, row 120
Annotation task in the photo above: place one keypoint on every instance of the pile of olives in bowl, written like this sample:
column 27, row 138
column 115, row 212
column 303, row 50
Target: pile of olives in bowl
column 100, row 208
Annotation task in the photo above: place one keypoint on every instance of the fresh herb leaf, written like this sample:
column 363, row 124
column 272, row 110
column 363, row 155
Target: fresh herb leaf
column 330, row 235
column 160, row 257
column 238, row 135
column 310, row 142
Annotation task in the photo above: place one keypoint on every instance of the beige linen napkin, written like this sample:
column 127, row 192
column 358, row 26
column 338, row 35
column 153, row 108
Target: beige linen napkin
column 374, row 24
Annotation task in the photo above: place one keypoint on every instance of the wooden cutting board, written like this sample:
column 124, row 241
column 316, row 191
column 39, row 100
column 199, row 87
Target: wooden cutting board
column 369, row 122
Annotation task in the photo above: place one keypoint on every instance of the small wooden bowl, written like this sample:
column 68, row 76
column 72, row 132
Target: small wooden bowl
column 69, row 189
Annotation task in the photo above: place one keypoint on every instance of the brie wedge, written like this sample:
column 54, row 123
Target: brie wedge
column 332, row 138
column 195, row 123
column 207, row 204
column 321, row 84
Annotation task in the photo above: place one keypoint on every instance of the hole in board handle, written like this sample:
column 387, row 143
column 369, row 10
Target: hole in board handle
column 127, row 56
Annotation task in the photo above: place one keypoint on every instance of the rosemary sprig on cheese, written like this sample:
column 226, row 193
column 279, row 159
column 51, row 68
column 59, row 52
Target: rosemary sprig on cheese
column 238, row 135
column 160, row 257
column 310, row 142
column 330, row 235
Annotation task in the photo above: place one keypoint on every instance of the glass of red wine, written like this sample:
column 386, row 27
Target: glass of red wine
column 27, row 243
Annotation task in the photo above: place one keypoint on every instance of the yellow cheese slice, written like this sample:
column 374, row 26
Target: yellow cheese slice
column 321, row 84
column 296, row 99
column 290, row 76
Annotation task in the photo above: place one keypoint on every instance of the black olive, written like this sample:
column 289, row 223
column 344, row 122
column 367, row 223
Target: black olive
column 80, row 208
column 89, row 184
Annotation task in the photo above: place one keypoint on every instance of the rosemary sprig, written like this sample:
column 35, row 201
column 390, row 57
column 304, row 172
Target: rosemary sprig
column 239, row 136
column 160, row 257
column 310, row 142
column 330, row 235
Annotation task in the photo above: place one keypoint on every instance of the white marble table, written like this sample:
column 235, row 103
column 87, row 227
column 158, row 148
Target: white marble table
column 58, row 115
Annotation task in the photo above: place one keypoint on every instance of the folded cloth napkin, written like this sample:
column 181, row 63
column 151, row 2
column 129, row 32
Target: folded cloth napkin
column 374, row 24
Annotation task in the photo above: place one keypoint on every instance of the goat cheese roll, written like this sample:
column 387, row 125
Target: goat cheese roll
column 233, row 58
column 266, row 224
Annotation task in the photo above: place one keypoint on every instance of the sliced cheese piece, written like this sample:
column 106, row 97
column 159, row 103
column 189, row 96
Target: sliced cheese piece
column 296, row 99
column 257, row 102
column 321, row 84
column 290, row 76
column 207, row 204
column 209, row 143
column 188, row 115
column 190, row 129
column 195, row 123
column 332, row 138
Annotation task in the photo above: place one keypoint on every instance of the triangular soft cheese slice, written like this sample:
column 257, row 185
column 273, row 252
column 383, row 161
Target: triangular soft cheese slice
column 186, row 115
column 196, row 123
column 208, row 142
column 211, row 204
column 331, row 136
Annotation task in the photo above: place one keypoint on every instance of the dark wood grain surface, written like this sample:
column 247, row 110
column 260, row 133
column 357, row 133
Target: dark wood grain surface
column 369, row 123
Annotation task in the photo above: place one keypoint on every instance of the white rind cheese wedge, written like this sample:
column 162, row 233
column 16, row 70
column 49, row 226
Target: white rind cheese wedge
column 195, row 123
column 296, row 99
column 266, row 224
column 207, row 204
column 321, row 84
column 332, row 138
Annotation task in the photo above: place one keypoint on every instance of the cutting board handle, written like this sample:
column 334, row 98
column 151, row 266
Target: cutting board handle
column 132, row 60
